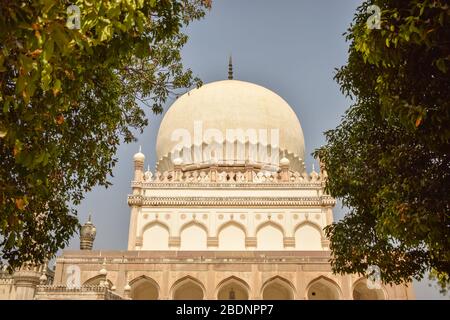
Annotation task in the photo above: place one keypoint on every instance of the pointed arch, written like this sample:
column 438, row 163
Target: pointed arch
column 278, row 288
column 193, row 236
column 232, row 223
column 309, row 223
column 308, row 239
column 271, row 223
column 155, row 236
column 155, row 222
column 196, row 223
column 232, row 288
column 231, row 236
column 323, row 288
column 188, row 288
column 144, row 288
column 361, row 291
column 269, row 236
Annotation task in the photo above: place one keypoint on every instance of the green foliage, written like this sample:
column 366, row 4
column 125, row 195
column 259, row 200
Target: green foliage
column 68, row 97
column 389, row 159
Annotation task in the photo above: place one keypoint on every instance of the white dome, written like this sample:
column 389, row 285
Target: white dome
column 140, row 157
column 232, row 104
column 284, row 161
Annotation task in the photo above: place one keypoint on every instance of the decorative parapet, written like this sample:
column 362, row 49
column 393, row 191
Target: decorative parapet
column 229, row 175
column 45, row 292
column 215, row 185
column 6, row 277
column 322, row 201
column 170, row 257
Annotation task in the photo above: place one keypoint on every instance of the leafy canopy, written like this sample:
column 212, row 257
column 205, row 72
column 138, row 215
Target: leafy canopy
column 68, row 97
column 389, row 159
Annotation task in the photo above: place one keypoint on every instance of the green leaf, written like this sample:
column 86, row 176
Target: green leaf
column 48, row 50
column 441, row 65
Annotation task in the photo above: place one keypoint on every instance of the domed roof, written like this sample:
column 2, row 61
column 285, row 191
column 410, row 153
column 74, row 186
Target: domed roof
column 232, row 104
column 140, row 157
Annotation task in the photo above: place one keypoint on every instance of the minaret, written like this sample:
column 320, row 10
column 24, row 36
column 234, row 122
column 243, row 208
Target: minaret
column 87, row 235
column 230, row 69
column 138, row 160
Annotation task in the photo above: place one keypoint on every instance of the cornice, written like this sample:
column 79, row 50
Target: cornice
column 230, row 201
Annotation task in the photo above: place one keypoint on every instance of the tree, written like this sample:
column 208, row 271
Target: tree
column 389, row 159
column 68, row 98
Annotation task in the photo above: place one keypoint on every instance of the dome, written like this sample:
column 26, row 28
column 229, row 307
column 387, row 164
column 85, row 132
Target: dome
column 88, row 229
column 231, row 104
column 284, row 161
column 139, row 157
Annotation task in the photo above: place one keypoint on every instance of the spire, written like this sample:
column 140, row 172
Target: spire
column 230, row 68
column 140, row 148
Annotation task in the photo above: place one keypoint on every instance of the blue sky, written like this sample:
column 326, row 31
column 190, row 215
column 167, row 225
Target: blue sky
column 290, row 46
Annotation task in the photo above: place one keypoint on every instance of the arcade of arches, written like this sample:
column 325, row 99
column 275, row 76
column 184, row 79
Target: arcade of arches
column 233, row 288
column 231, row 235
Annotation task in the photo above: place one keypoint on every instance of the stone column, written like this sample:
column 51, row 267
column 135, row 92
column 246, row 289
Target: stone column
column 301, row 284
column 133, row 228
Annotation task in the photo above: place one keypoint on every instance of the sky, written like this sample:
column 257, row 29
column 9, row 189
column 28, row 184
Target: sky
column 291, row 47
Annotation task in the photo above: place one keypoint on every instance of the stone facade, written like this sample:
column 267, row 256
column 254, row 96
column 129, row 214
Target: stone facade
column 213, row 274
column 231, row 227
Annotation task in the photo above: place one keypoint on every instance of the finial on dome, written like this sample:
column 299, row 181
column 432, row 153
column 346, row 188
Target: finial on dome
column 230, row 68
column 284, row 161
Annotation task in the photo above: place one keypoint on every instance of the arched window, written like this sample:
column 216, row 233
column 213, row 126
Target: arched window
column 308, row 237
column 231, row 237
column 144, row 288
column 232, row 288
column 269, row 236
column 278, row 288
column 193, row 236
column 323, row 288
column 188, row 288
column 155, row 237
column 361, row 291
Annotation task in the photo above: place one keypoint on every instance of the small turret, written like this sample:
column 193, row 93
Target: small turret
column 139, row 159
